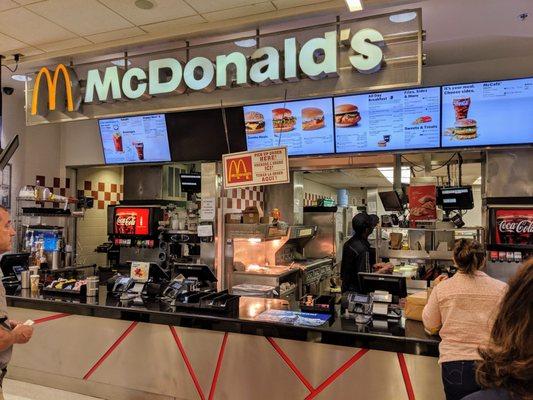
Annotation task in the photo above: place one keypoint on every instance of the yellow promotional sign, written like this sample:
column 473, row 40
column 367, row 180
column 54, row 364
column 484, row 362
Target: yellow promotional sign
column 71, row 92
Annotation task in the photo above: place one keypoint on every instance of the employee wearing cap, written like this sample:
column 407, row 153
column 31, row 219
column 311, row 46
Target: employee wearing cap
column 11, row 332
column 358, row 255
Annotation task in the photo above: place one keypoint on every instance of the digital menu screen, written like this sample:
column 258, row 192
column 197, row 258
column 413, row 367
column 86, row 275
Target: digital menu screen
column 305, row 127
column 135, row 139
column 398, row 120
column 488, row 113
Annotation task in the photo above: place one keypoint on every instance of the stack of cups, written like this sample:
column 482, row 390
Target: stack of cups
column 92, row 286
column 25, row 279
column 34, row 283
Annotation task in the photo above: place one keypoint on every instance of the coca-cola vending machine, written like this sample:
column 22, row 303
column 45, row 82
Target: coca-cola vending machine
column 510, row 239
column 136, row 226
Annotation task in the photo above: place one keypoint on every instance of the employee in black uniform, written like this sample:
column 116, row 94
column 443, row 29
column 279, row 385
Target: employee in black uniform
column 358, row 255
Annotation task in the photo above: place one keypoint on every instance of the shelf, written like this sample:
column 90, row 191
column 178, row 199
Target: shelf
column 417, row 255
column 49, row 215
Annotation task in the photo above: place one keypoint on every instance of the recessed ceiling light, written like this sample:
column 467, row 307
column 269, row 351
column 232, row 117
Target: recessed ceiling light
column 121, row 62
column 388, row 173
column 354, row 5
column 246, row 42
column 21, row 78
column 144, row 4
column 403, row 17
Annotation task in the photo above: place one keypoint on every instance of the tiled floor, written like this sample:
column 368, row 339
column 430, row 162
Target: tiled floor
column 16, row 390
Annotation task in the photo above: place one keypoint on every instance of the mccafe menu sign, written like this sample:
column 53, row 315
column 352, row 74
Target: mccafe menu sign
column 310, row 62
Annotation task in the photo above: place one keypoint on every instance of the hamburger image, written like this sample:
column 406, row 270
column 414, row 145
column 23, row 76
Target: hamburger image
column 346, row 115
column 283, row 120
column 312, row 118
column 254, row 122
column 465, row 128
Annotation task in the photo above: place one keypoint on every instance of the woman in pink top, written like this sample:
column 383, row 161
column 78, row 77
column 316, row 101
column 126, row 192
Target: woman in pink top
column 464, row 308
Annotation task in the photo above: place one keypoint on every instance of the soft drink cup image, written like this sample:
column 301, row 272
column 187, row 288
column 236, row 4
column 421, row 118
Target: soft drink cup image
column 461, row 107
column 117, row 141
column 139, row 146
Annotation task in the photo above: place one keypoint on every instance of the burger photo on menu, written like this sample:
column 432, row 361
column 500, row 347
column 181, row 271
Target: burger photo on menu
column 283, row 120
column 312, row 118
column 465, row 129
column 254, row 122
column 346, row 115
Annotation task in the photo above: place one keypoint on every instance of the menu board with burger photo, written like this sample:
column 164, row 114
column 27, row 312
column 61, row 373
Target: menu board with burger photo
column 488, row 113
column 305, row 127
column 135, row 139
column 399, row 120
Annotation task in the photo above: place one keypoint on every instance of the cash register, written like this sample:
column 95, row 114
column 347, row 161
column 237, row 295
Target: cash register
column 12, row 266
column 379, row 297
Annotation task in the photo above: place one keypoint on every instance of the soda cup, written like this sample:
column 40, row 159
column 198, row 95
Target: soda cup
column 461, row 107
column 117, row 141
column 139, row 146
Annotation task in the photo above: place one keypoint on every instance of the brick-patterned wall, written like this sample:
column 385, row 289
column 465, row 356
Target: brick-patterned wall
column 56, row 185
column 104, row 193
column 235, row 200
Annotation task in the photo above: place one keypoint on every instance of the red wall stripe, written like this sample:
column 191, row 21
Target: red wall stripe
column 406, row 377
column 50, row 318
column 291, row 365
column 219, row 365
column 110, row 350
column 187, row 363
column 337, row 373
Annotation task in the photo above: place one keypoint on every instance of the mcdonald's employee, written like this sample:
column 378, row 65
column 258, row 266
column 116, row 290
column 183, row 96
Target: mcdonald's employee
column 358, row 255
column 11, row 332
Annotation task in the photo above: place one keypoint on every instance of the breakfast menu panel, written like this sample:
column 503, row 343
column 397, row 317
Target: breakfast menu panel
column 488, row 113
column 398, row 120
column 305, row 127
column 135, row 139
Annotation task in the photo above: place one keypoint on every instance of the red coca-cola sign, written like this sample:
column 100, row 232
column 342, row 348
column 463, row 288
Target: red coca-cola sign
column 514, row 226
column 132, row 221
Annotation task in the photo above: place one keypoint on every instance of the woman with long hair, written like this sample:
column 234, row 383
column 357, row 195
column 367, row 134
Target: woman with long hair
column 463, row 308
column 506, row 366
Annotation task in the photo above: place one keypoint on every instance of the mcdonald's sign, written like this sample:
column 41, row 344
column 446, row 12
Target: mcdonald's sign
column 264, row 167
column 58, row 91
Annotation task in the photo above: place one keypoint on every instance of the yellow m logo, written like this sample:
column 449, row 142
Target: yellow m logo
column 71, row 94
column 237, row 170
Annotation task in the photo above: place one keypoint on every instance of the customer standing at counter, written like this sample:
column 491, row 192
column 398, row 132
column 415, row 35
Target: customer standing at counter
column 358, row 255
column 506, row 368
column 11, row 332
column 463, row 307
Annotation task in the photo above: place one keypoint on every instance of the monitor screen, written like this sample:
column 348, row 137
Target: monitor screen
column 391, row 201
column 305, row 127
column 191, row 182
column 399, row 120
column 487, row 113
column 455, row 198
column 130, row 140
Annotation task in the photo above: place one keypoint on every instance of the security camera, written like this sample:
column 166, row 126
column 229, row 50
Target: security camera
column 8, row 90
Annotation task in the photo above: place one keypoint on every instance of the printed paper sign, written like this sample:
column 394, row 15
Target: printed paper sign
column 422, row 204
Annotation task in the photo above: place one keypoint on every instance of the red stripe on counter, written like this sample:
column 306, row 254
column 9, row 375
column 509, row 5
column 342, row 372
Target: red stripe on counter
column 110, row 350
column 406, row 377
column 219, row 365
column 291, row 365
column 337, row 373
column 187, row 363
column 50, row 318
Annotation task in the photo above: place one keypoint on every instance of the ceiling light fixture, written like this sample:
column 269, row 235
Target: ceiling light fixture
column 21, row 78
column 388, row 173
column 354, row 5
column 144, row 4
column 403, row 17
column 121, row 62
column 246, row 42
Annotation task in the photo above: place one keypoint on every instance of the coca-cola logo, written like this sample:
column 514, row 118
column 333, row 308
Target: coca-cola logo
column 126, row 220
column 524, row 226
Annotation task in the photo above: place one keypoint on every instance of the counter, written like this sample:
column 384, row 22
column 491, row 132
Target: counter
column 110, row 350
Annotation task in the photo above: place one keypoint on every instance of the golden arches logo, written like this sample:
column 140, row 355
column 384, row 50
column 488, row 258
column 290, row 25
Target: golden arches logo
column 52, row 88
column 237, row 170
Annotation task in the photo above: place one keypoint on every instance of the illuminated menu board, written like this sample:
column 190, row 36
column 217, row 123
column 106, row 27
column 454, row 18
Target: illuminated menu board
column 398, row 120
column 135, row 139
column 305, row 127
column 488, row 113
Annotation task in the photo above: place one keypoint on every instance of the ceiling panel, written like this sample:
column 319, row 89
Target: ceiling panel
column 28, row 51
column 84, row 17
column 7, row 4
column 31, row 28
column 282, row 4
column 116, row 35
column 174, row 26
column 65, row 44
column 205, row 6
column 24, row 2
column 163, row 10
column 240, row 11
column 7, row 43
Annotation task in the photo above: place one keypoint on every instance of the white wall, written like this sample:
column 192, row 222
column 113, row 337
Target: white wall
column 474, row 217
column 81, row 144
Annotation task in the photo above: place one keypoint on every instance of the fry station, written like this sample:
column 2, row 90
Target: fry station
column 182, row 215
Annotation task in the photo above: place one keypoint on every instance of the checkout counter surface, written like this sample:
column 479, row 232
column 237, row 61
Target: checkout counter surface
column 406, row 336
